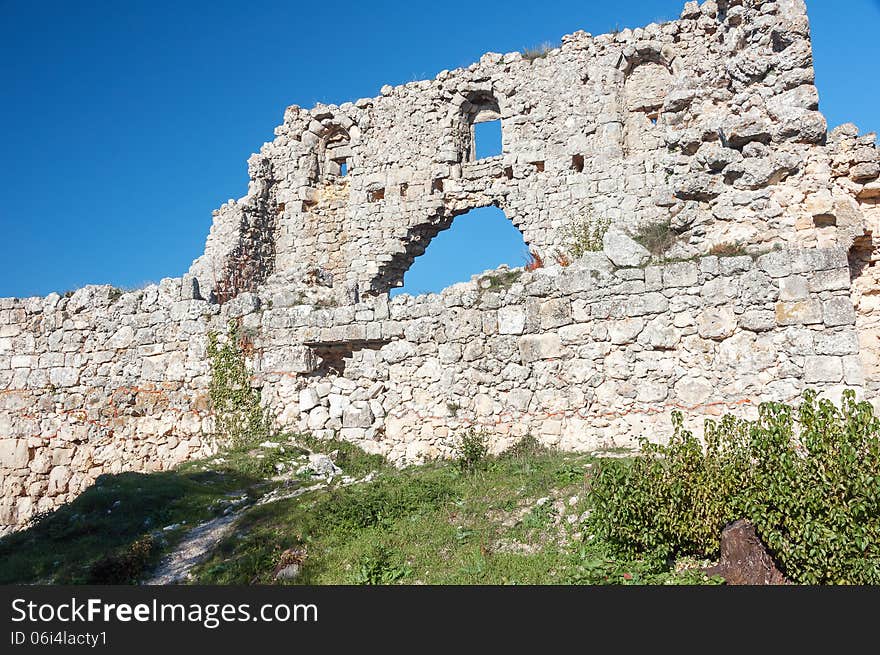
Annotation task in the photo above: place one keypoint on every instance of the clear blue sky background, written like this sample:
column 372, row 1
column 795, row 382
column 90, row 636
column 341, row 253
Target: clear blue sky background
column 124, row 124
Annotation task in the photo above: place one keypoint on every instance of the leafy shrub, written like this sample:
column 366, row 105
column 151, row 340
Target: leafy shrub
column 379, row 565
column 656, row 237
column 528, row 446
column 472, row 450
column 809, row 479
column 240, row 419
column 126, row 566
column 585, row 235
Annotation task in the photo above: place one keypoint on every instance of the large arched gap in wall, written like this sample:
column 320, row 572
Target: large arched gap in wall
column 391, row 275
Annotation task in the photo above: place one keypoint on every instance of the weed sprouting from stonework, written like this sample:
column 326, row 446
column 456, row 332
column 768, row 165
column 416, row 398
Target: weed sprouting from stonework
column 534, row 261
column 585, row 235
column 728, row 249
column 537, row 52
column 657, row 237
column 239, row 418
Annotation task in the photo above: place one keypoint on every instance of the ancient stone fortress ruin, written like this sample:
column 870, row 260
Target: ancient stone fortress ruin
column 709, row 123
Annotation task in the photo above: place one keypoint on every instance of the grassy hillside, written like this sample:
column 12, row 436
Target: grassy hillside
column 519, row 518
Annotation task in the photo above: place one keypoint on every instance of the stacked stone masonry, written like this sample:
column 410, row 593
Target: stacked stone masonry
column 709, row 122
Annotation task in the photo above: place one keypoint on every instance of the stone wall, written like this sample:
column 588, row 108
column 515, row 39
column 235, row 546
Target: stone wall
column 583, row 357
column 709, row 123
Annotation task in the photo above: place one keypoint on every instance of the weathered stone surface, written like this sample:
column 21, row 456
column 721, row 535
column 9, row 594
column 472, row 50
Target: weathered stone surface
column 625, row 331
column 821, row 368
column 511, row 320
column 716, row 323
column 838, row 311
column 804, row 312
column 622, row 250
column 543, row 346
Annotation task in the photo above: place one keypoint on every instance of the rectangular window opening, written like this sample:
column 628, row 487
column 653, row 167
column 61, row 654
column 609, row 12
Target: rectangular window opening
column 376, row 195
column 508, row 172
column 343, row 167
column 280, row 208
column 403, row 187
column 487, row 139
column 577, row 163
column 539, row 166
column 437, row 185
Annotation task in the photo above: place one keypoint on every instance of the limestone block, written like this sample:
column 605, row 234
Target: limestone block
column 625, row 331
column 822, row 368
column 14, row 453
column 242, row 304
column 308, row 399
column 648, row 303
column 837, row 343
column 716, row 323
column 793, row 287
column 838, row 311
column 358, row 415
column 757, row 320
column 539, row 346
column 680, row 274
column 555, row 313
column 511, row 320
column 804, row 312
column 693, row 391
column 660, row 334
column 318, row 418
column 623, row 250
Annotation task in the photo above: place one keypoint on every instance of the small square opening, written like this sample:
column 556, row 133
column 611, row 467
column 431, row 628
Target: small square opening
column 577, row 163
column 487, row 139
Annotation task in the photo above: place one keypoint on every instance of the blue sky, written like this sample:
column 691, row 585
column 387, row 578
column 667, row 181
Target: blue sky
column 124, row 124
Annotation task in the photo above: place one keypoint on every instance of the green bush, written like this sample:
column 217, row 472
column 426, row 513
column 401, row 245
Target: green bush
column 240, row 418
column 472, row 450
column 585, row 235
column 380, row 566
column 126, row 566
column 808, row 478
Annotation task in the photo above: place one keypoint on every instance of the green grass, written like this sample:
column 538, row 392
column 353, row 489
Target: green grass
column 518, row 518
column 505, row 523
column 121, row 517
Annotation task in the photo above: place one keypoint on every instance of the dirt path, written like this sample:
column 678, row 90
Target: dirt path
column 195, row 547
column 201, row 540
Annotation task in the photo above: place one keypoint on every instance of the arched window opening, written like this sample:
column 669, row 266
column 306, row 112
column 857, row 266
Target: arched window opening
column 480, row 240
column 334, row 156
column 480, row 133
column 645, row 90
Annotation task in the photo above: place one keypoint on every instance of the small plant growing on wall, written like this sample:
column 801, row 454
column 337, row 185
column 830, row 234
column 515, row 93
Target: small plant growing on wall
column 534, row 261
column 537, row 52
column 656, row 237
column 239, row 418
column 585, row 235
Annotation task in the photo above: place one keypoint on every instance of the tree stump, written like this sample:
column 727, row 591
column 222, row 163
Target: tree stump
column 744, row 558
